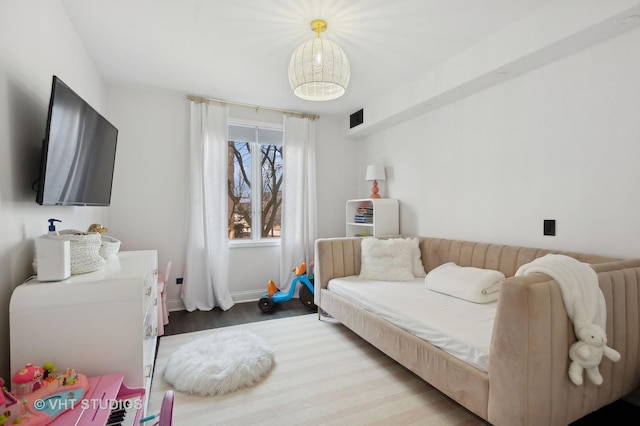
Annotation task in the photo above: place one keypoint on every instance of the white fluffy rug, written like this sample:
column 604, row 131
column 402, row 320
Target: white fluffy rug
column 219, row 363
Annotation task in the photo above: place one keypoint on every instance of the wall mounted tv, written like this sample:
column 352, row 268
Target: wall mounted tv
column 78, row 152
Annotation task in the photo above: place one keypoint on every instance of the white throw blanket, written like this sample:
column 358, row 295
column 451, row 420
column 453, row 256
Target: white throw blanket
column 578, row 283
column 586, row 308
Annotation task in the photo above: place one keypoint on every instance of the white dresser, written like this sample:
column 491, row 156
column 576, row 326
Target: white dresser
column 98, row 323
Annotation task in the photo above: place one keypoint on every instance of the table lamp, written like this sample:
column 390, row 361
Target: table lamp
column 375, row 174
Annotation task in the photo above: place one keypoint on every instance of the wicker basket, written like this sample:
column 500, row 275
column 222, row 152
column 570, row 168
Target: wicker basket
column 109, row 247
column 85, row 250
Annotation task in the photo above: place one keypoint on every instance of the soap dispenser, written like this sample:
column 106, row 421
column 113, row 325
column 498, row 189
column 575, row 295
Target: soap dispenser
column 53, row 255
column 52, row 226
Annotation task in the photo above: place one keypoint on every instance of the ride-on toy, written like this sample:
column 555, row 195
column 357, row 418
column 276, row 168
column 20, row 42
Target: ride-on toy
column 273, row 295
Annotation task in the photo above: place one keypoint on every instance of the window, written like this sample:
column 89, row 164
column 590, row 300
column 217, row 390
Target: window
column 255, row 182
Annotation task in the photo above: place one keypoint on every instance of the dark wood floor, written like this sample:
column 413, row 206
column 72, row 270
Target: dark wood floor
column 620, row 413
column 240, row 313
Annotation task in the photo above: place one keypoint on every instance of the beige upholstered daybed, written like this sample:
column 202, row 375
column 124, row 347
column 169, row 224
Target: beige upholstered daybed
column 526, row 380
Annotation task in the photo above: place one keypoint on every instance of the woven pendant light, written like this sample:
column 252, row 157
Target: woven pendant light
column 319, row 69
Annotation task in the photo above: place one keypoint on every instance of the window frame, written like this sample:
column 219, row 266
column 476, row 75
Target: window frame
column 256, row 170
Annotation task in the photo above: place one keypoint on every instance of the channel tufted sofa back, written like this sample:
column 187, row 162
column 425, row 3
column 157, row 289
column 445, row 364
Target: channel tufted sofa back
column 503, row 258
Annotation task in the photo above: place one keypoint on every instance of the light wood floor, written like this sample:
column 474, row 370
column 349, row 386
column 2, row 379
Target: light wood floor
column 620, row 413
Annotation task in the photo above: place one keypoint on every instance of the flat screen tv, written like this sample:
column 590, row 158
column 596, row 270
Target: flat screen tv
column 78, row 152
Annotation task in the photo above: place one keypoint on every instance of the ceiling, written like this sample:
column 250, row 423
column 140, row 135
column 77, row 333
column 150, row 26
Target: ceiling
column 239, row 50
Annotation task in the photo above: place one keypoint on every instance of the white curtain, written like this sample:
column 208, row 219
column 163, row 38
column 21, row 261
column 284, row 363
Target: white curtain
column 206, row 272
column 299, row 226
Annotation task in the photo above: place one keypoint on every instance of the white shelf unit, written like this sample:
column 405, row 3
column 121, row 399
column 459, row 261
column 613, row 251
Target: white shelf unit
column 384, row 219
column 97, row 323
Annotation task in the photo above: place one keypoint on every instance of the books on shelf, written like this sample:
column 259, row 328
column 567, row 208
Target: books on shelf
column 362, row 219
column 364, row 214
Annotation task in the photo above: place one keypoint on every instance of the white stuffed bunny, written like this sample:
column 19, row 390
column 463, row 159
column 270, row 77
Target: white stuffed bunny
column 587, row 353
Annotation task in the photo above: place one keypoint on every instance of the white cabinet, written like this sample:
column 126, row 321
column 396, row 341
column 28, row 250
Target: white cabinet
column 372, row 216
column 98, row 323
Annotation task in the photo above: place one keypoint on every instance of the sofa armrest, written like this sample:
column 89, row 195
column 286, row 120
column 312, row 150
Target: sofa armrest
column 335, row 258
column 528, row 357
column 520, row 344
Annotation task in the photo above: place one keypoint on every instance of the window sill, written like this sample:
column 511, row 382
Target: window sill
column 235, row 244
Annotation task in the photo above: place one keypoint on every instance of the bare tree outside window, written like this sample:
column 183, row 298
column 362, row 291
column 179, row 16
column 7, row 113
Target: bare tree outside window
column 239, row 183
column 254, row 188
column 271, row 158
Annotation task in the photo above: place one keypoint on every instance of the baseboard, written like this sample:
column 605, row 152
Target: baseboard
column 238, row 297
column 175, row 305
column 247, row 296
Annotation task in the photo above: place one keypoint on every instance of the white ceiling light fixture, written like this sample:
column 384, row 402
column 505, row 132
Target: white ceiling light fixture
column 319, row 69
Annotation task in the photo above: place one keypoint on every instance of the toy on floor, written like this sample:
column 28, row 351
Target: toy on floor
column 39, row 395
column 273, row 295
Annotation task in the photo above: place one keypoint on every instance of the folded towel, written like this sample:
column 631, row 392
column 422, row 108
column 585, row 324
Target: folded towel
column 465, row 282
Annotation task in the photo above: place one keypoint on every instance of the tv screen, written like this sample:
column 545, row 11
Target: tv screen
column 78, row 152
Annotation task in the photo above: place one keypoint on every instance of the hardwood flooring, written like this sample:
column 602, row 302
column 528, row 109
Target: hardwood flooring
column 619, row 413
column 240, row 313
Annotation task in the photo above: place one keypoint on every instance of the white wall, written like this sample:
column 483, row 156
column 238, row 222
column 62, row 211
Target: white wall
column 36, row 41
column 150, row 193
column 337, row 174
column 560, row 142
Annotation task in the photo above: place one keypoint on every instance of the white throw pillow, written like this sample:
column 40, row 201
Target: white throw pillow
column 386, row 260
column 418, row 268
column 468, row 283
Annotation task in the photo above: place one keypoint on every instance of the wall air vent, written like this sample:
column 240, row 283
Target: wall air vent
column 356, row 119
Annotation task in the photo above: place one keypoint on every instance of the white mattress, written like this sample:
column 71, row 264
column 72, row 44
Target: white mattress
column 461, row 328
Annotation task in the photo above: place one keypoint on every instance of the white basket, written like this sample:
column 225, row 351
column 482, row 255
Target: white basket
column 109, row 247
column 85, row 250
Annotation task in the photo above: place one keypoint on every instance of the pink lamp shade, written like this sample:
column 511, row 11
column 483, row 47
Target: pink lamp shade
column 375, row 173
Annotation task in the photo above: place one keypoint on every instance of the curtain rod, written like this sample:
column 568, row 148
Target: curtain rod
column 284, row 111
